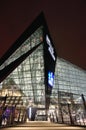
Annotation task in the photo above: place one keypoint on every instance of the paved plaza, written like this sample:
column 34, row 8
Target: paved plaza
column 43, row 125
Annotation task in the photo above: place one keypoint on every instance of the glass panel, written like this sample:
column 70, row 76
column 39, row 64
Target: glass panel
column 29, row 77
column 66, row 99
column 33, row 40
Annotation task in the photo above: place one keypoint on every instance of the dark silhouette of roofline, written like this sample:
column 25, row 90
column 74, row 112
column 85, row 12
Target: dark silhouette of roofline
column 39, row 21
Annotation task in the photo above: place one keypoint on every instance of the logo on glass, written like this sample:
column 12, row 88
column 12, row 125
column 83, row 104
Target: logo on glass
column 51, row 78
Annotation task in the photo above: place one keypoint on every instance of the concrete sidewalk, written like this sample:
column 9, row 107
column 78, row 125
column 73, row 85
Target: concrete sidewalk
column 43, row 125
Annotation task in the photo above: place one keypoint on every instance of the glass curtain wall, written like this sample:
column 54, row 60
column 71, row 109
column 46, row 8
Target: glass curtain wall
column 31, row 42
column 69, row 93
column 69, row 78
column 28, row 77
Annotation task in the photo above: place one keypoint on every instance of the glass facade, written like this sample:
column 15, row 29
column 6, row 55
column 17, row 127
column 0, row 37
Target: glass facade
column 29, row 75
column 28, row 44
column 70, row 78
column 68, row 92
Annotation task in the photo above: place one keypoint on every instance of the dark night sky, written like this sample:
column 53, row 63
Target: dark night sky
column 66, row 21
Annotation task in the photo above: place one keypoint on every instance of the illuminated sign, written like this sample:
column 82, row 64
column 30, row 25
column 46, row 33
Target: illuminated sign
column 50, row 48
column 51, row 78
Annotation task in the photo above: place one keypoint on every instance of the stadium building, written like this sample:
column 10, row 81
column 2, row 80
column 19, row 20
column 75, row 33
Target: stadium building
column 33, row 76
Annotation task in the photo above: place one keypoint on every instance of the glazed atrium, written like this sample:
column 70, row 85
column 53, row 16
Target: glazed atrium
column 32, row 70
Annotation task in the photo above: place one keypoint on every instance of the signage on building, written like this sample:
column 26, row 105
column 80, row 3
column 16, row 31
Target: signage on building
column 50, row 61
column 51, row 78
column 50, row 48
